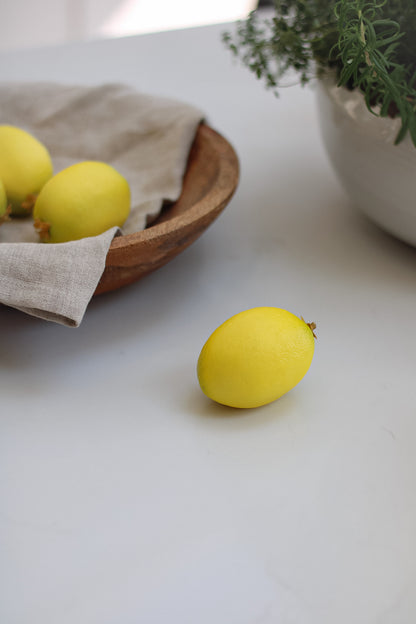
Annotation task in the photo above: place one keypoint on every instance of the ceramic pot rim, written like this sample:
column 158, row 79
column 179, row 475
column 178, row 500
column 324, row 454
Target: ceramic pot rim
column 351, row 105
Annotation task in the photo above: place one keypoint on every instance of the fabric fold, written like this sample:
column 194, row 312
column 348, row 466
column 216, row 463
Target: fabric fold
column 146, row 138
column 53, row 282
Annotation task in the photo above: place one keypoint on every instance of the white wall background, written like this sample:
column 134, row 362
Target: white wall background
column 35, row 23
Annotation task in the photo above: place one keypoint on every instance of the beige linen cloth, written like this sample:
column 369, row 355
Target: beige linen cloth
column 146, row 138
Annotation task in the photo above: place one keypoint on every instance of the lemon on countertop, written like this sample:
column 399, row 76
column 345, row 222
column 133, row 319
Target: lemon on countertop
column 255, row 357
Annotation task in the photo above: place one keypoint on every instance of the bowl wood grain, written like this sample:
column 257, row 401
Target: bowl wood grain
column 210, row 180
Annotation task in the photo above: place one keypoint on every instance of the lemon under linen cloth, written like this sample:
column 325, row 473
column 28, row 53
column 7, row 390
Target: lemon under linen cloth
column 146, row 138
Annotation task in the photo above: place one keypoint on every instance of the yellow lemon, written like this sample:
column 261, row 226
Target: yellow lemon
column 3, row 203
column 255, row 357
column 25, row 166
column 83, row 200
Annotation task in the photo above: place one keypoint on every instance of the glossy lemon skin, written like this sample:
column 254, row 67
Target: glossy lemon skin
column 3, row 202
column 86, row 199
column 25, row 166
column 255, row 357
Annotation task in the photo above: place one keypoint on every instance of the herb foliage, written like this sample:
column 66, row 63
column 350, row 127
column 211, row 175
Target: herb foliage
column 369, row 45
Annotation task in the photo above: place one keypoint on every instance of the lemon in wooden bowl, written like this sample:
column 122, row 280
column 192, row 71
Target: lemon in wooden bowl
column 25, row 166
column 85, row 199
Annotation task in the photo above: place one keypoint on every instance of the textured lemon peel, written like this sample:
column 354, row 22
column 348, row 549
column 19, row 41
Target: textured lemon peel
column 232, row 374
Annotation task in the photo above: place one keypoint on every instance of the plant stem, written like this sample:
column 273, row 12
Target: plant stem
column 363, row 39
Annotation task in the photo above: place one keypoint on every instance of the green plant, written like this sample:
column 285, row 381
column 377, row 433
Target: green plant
column 369, row 45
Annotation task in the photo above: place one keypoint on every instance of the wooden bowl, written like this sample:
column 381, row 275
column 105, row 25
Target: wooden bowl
column 210, row 180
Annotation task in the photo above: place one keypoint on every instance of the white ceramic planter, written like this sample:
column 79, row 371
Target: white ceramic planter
column 378, row 176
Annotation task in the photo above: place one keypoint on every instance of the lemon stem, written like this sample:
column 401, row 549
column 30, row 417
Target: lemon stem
column 312, row 327
column 6, row 216
column 28, row 203
column 42, row 229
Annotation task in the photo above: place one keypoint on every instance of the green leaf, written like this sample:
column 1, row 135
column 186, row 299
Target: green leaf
column 370, row 44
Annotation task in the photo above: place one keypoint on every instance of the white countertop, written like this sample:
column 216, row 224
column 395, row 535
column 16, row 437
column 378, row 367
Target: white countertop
column 126, row 495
